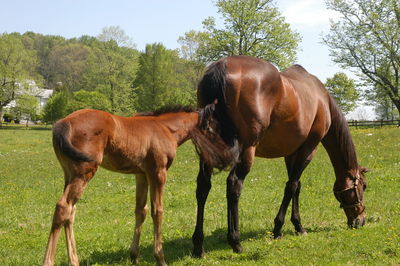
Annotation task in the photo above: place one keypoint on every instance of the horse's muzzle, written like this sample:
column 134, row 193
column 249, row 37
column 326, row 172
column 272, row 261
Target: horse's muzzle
column 357, row 222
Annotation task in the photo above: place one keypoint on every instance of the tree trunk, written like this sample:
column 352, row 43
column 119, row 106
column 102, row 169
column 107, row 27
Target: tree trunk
column 397, row 104
column 1, row 116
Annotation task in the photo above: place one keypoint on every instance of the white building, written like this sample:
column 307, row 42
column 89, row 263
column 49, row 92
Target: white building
column 30, row 88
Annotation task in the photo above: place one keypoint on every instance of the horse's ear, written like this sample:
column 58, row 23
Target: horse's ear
column 364, row 170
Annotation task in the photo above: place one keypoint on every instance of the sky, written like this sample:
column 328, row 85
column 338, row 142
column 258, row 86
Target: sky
column 150, row 21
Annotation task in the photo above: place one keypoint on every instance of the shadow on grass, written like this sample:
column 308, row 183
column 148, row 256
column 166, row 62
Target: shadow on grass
column 177, row 249
column 174, row 250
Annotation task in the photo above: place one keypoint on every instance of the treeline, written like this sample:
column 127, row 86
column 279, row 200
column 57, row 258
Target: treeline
column 103, row 72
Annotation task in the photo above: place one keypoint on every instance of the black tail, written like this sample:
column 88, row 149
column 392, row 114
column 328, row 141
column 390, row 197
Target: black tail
column 63, row 144
column 212, row 90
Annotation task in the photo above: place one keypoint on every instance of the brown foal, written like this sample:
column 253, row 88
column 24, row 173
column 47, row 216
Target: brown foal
column 144, row 145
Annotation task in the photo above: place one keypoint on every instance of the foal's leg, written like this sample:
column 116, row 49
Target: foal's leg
column 234, row 185
column 64, row 215
column 202, row 190
column 140, row 214
column 157, row 182
column 295, row 165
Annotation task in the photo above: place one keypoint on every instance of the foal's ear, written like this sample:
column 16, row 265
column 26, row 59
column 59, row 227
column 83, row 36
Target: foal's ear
column 364, row 170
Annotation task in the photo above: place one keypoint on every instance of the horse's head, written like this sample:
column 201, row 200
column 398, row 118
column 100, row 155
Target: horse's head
column 351, row 198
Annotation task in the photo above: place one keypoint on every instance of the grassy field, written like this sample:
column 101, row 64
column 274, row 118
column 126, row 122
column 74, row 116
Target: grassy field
column 31, row 182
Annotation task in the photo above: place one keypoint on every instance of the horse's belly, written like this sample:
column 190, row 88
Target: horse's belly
column 121, row 165
column 280, row 142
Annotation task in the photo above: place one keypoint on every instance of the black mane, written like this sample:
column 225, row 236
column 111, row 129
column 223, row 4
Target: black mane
column 169, row 109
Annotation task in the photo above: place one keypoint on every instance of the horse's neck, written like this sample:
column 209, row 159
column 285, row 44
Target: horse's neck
column 180, row 124
column 340, row 148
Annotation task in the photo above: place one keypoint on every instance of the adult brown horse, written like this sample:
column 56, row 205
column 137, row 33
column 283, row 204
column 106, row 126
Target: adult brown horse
column 274, row 114
column 144, row 145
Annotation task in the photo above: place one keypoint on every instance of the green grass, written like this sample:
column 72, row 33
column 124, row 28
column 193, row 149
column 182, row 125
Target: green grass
column 31, row 182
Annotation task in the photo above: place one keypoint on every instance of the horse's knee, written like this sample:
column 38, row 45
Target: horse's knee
column 157, row 213
column 62, row 213
column 141, row 212
column 233, row 189
column 292, row 187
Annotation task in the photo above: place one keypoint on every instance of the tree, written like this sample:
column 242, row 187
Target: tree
column 343, row 90
column 366, row 38
column 56, row 107
column 112, row 68
column 384, row 107
column 68, row 64
column 160, row 79
column 89, row 100
column 116, row 34
column 26, row 107
column 251, row 27
column 16, row 64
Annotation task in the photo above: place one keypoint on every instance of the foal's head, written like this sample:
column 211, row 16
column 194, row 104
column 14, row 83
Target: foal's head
column 352, row 198
column 210, row 146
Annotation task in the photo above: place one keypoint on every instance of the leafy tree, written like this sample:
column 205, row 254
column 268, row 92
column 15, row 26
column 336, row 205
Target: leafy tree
column 384, row 107
column 160, row 80
column 366, row 38
column 16, row 65
column 26, row 107
column 116, row 34
column 193, row 46
column 251, row 27
column 343, row 90
column 56, row 107
column 68, row 64
column 89, row 99
column 111, row 71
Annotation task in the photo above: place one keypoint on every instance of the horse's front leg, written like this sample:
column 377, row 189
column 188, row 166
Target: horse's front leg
column 140, row 214
column 157, row 182
column 202, row 190
column 234, row 186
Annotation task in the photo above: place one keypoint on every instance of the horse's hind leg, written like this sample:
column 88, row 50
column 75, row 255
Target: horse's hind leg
column 64, row 215
column 140, row 214
column 234, row 186
column 295, row 164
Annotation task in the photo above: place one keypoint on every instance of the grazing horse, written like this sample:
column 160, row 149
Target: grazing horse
column 273, row 114
column 144, row 145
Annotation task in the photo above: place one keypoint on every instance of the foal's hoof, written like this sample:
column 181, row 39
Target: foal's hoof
column 161, row 263
column 237, row 248
column 198, row 252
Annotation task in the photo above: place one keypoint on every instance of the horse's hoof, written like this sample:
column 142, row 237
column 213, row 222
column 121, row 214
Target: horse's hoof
column 237, row 248
column 278, row 236
column 198, row 253
column 135, row 259
column 301, row 233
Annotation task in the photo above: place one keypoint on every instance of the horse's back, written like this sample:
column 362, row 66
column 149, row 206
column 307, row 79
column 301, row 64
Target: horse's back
column 301, row 114
column 274, row 110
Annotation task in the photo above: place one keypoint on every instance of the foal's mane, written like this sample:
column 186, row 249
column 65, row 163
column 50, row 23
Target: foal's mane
column 169, row 109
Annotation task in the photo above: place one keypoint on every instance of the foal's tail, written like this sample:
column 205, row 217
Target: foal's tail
column 62, row 143
column 219, row 126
